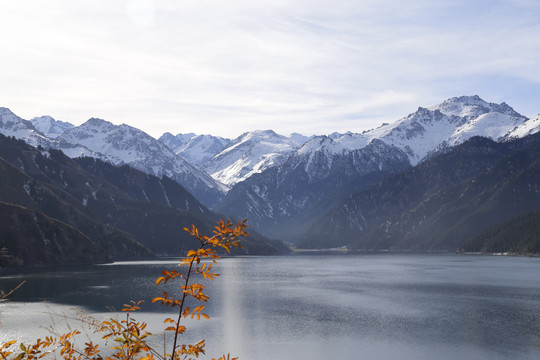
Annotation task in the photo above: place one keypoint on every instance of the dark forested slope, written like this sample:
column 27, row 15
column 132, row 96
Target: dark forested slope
column 119, row 208
column 440, row 203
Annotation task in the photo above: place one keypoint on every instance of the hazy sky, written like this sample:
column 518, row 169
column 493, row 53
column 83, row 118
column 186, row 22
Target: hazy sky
column 226, row 67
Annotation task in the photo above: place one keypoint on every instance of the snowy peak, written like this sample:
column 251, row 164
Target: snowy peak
column 49, row 126
column 261, row 140
column 12, row 125
column 530, row 126
column 196, row 149
column 201, row 148
column 175, row 142
column 123, row 144
column 420, row 133
column 336, row 135
column 472, row 106
column 260, row 135
column 448, row 124
column 334, row 145
column 250, row 153
column 299, row 139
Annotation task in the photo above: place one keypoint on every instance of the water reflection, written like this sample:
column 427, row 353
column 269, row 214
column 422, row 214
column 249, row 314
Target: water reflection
column 319, row 307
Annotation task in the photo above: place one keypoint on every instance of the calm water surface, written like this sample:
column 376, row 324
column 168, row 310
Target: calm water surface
column 316, row 306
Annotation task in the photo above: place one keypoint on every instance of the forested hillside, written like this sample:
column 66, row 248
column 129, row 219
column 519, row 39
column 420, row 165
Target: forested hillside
column 439, row 204
column 130, row 214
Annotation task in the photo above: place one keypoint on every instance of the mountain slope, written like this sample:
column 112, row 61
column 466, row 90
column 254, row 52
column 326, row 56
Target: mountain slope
column 108, row 203
column 250, row 153
column 440, row 203
column 18, row 188
column 277, row 208
column 519, row 235
column 445, row 125
column 195, row 149
column 282, row 194
column 12, row 125
column 201, row 148
column 175, row 142
column 30, row 238
column 123, row 144
column 50, row 127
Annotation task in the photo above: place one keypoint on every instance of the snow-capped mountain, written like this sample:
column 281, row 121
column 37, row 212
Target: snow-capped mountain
column 49, row 126
column 277, row 200
column 449, row 124
column 529, row 127
column 336, row 135
column 230, row 161
column 260, row 163
column 444, row 125
column 123, row 144
column 175, row 142
column 201, row 148
column 251, row 153
column 341, row 157
column 299, row 138
column 441, row 203
column 12, row 125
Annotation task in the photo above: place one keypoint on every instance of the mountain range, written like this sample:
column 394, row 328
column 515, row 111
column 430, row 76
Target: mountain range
column 355, row 187
column 440, row 203
column 325, row 170
column 100, row 211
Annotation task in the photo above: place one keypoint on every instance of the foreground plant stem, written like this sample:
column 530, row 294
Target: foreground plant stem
column 184, row 295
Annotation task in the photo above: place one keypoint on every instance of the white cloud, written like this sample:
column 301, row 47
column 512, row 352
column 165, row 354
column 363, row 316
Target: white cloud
column 226, row 67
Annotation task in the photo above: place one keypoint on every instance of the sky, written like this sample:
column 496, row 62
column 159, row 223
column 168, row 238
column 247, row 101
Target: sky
column 227, row 67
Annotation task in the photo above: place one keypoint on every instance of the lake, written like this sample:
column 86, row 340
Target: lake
column 388, row 306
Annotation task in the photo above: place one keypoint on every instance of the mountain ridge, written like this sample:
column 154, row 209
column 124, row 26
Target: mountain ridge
column 439, row 204
column 283, row 184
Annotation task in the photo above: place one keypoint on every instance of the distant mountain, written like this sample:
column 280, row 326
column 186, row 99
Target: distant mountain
column 337, row 135
column 282, row 184
column 123, row 144
column 299, row 139
column 232, row 161
column 201, row 148
column 118, row 144
column 12, row 125
column 176, row 142
column 113, row 206
column 424, row 133
column 445, row 125
column 50, row 127
column 250, row 153
column 439, row 204
column 309, row 181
